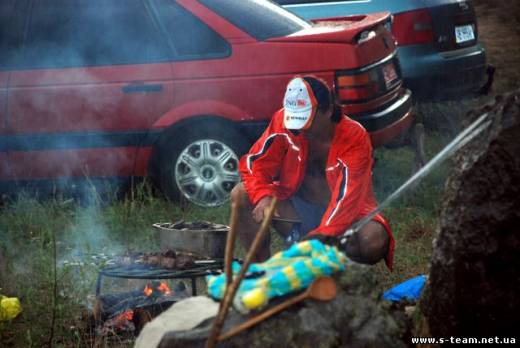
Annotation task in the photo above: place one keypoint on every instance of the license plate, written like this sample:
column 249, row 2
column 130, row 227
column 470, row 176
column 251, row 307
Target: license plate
column 464, row 33
column 389, row 74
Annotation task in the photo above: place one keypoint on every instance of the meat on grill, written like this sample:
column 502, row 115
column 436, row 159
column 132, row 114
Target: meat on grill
column 169, row 259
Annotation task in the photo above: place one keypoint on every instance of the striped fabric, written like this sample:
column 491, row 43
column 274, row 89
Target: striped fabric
column 252, row 157
column 342, row 192
column 285, row 272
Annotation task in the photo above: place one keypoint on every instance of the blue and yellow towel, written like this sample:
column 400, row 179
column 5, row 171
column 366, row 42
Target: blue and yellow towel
column 288, row 271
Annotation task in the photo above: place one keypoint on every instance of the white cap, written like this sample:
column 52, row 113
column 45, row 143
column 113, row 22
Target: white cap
column 299, row 105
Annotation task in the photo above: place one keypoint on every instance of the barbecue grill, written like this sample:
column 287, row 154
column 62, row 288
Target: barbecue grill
column 201, row 268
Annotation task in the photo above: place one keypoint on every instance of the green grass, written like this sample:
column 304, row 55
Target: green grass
column 413, row 217
column 83, row 232
column 28, row 228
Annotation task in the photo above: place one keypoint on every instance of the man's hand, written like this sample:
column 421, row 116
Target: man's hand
column 261, row 206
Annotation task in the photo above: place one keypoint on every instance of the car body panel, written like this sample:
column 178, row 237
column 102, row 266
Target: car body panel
column 4, row 167
column 93, row 162
column 265, row 81
column 55, row 103
column 310, row 9
column 345, row 31
column 437, row 74
column 420, row 62
column 101, row 121
column 84, row 99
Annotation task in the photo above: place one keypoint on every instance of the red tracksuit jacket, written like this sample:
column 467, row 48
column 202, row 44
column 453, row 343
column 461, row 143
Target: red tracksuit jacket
column 275, row 166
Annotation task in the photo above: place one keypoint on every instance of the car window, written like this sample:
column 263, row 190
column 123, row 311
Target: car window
column 12, row 24
column 69, row 33
column 261, row 19
column 188, row 36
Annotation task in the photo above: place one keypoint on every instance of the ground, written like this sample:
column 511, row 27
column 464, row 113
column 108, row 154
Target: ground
column 84, row 236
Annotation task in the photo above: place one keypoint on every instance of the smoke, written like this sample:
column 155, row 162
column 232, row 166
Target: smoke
column 88, row 238
column 72, row 55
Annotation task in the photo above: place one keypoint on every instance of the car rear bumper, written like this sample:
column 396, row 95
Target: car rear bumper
column 383, row 125
column 386, row 124
column 433, row 75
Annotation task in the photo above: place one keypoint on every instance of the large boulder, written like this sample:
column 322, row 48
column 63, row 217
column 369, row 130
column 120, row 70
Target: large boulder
column 475, row 270
column 355, row 318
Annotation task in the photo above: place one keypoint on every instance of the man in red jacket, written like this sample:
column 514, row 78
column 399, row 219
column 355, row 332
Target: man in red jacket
column 318, row 163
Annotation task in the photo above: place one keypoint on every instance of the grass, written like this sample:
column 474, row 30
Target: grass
column 84, row 235
column 87, row 234
column 499, row 23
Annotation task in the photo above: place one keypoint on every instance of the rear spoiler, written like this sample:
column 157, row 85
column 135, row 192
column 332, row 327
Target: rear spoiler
column 344, row 29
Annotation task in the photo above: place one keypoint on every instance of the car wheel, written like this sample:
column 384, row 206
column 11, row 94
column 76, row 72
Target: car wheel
column 201, row 165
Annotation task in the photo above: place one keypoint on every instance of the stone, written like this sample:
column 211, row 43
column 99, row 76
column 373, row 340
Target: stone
column 357, row 317
column 475, row 269
column 182, row 316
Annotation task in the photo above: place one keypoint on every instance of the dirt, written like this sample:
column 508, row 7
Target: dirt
column 475, row 268
column 356, row 317
column 499, row 32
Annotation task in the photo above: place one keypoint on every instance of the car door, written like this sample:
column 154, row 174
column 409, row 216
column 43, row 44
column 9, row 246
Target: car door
column 4, row 167
column 93, row 77
column 12, row 14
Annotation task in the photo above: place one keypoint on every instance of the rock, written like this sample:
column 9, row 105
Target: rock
column 475, row 269
column 355, row 318
column 183, row 315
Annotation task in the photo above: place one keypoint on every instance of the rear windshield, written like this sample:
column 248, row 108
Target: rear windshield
column 261, row 19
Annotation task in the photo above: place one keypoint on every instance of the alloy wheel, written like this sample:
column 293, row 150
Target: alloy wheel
column 206, row 171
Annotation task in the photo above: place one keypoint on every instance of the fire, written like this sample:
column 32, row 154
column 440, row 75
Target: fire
column 164, row 288
column 148, row 290
column 156, row 286
column 124, row 317
column 128, row 315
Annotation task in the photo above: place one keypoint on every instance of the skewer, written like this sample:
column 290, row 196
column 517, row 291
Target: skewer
column 231, row 290
column 230, row 244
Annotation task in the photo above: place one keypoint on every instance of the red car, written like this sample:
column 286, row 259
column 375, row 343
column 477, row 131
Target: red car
column 175, row 89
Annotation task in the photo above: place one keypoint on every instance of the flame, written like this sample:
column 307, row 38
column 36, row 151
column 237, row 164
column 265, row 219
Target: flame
column 128, row 315
column 162, row 287
column 148, row 290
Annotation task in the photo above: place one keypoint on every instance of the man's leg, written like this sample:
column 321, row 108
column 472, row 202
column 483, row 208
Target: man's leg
column 369, row 245
column 286, row 211
column 247, row 227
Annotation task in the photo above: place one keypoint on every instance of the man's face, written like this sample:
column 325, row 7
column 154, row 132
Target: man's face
column 320, row 123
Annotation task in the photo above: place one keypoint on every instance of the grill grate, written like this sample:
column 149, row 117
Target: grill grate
column 139, row 271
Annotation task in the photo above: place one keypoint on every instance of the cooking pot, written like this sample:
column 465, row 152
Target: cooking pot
column 199, row 237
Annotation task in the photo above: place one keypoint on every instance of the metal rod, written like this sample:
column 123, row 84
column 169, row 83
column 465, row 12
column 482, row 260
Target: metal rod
column 288, row 220
column 230, row 244
column 194, row 286
column 231, row 290
column 460, row 140
column 98, row 284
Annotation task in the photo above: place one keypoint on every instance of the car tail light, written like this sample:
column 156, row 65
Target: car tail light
column 356, row 87
column 413, row 27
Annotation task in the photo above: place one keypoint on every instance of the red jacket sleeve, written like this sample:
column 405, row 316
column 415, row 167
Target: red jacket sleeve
column 353, row 184
column 261, row 166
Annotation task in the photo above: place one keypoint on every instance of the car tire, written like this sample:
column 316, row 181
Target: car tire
column 199, row 163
